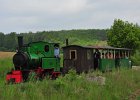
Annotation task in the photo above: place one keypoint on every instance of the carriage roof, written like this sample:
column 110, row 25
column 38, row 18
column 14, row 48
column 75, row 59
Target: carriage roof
column 98, row 47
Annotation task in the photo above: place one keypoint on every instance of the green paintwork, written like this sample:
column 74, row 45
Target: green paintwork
column 109, row 64
column 106, row 64
column 125, row 63
column 49, row 63
column 39, row 47
column 38, row 56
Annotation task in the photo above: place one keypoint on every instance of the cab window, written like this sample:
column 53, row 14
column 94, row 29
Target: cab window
column 46, row 48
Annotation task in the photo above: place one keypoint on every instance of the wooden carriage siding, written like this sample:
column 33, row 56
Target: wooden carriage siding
column 78, row 58
column 81, row 58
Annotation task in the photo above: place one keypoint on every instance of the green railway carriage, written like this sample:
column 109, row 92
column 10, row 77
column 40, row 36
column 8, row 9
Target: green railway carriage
column 111, row 58
column 124, row 57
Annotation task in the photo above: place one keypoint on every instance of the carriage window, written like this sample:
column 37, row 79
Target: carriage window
column 73, row 54
column 46, row 48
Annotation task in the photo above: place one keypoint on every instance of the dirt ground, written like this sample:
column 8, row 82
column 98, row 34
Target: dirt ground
column 135, row 95
column 136, row 67
column 6, row 54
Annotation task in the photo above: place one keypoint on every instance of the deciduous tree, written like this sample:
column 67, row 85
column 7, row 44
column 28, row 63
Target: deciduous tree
column 124, row 34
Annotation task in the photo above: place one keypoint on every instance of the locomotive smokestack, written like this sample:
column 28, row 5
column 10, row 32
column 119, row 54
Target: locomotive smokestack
column 67, row 42
column 20, row 42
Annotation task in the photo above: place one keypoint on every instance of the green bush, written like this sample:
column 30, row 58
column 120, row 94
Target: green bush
column 136, row 58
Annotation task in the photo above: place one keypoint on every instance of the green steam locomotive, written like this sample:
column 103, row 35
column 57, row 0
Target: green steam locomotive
column 41, row 58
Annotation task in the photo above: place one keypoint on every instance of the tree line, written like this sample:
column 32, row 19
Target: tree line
column 122, row 34
column 8, row 42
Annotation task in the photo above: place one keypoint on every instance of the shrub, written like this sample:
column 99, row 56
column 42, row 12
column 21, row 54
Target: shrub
column 136, row 58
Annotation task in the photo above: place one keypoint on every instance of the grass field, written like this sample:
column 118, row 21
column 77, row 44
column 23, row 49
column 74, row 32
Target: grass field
column 121, row 84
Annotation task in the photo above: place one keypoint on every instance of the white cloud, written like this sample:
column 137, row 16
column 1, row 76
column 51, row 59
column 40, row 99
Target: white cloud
column 49, row 6
column 34, row 15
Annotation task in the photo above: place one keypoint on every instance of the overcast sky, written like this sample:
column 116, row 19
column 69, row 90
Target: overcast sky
column 39, row 15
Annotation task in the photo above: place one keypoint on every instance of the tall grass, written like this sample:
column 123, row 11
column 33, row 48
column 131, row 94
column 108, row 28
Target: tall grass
column 119, row 84
column 5, row 66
